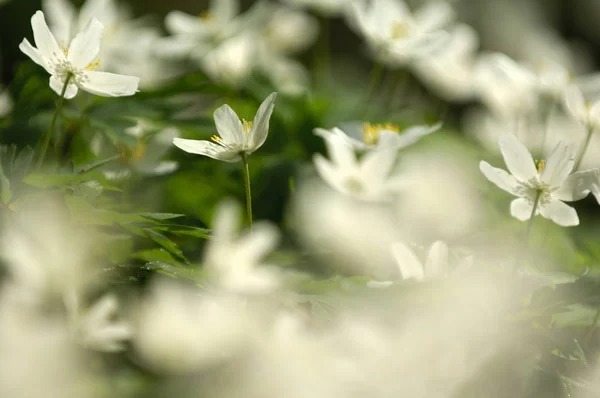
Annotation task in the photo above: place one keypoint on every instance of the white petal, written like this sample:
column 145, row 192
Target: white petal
column 260, row 125
column 254, row 246
column 178, row 22
column 61, row 15
column 85, row 46
column 559, row 164
column 434, row 16
column 517, row 157
column 44, row 41
column 226, row 221
column 407, row 261
column 575, row 103
column 229, row 126
column 375, row 166
column 102, row 311
column 501, row 178
column 109, row 84
column 350, row 134
column 578, row 185
column 206, row 148
column 329, row 173
column 595, row 115
column 521, row 209
column 561, row 213
column 57, row 85
column 340, row 152
column 33, row 53
column 224, row 10
column 406, row 137
column 437, row 260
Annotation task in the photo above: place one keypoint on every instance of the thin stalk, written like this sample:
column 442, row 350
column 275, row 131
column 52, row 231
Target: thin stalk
column 53, row 123
column 590, row 332
column 533, row 211
column 374, row 79
column 584, row 147
column 246, row 171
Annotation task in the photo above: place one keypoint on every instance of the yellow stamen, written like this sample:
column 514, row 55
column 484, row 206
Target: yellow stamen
column 371, row 131
column 93, row 65
column 138, row 153
column 540, row 165
column 247, row 125
column 399, row 30
column 206, row 16
column 216, row 139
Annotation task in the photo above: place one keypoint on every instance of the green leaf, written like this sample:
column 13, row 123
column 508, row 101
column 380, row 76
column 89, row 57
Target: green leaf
column 194, row 274
column 166, row 243
column 185, row 230
column 50, row 180
column 83, row 212
column 153, row 255
column 5, row 191
column 85, row 168
column 161, row 216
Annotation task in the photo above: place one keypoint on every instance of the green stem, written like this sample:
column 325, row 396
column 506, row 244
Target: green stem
column 533, row 211
column 53, row 123
column 374, row 79
column 584, row 147
column 590, row 333
column 246, row 171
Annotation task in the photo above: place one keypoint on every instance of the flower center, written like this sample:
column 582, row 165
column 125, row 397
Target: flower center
column 247, row 125
column 371, row 131
column 93, row 65
column 400, row 30
column 540, row 165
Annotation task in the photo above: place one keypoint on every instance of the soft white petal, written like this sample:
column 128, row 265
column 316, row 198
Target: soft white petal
column 575, row 103
column 224, row 10
column 375, row 166
column 434, row 16
column 102, row 311
column 559, row 165
column 500, row 177
column 110, row 84
column 57, row 85
column 85, row 46
column 521, row 209
column 178, row 22
column 350, row 134
column 260, row 125
column 229, row 126
column 33, row 53
column 340, row 152
column 44, row 40
column 559, row 212
column 577, row 186
column 330, row 174
column 61, row 17
column 407, row 137
column 407, row 261
column 595, row 115
column 226, row 221
column 254, row 246
column 206, row 148
column 517, row 157
column 437, row 260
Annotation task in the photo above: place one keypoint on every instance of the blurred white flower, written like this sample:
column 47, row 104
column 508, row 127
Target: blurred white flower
column 236, row 136
column 96, row 327
column 181, row 330
column 76, row 63
column 6, row 103
column 232, row 61
column 368, row 178
column 327, row 8
column 505, row 87
column 288, row 76
column 436, row 264
column 386, row 136
column 234, row 260
column 586, row 113
column 449, row 72
column 395, row 35
column 290, row 31
column 543, row 188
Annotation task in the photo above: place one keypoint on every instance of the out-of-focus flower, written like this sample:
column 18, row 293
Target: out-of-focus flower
column 236, row 136
column 234, row 260
column 127, row 44
column 325, row 7
column 290, row 31
column 368, row 178
column 76, row 63
column 387, row 136
column 542, row 188
column 395, row 35
column 181, row 331
column 436, row 264
column 232, row 61
column 586, row 113
column 6, row 103
column 96, row 328
column 288, row 76
column 505, row 87
column 449, row 72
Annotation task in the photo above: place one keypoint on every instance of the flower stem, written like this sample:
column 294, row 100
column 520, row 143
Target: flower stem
column 533, row 211
column 246, row 171
column 584, row 147
column 53, row 123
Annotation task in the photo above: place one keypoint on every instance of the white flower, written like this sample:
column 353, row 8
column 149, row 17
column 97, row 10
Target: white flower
column 449, row 72
column 586, row 113
column 367, row 179
column 549, row 184
column 290, row 31
column 232, row 61
column 235, row 261
column 236, row 136
column 96, row 327
column 436, row 264
column 505, row 87
column 387, row 136
column 395, row 35
column 76, row 62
